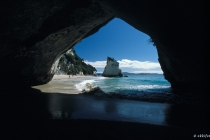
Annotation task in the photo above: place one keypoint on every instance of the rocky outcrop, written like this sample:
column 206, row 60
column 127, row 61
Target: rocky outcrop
column 34, row 34
column 71, row 64
column 112, row 68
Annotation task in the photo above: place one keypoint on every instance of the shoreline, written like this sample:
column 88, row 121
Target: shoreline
column 55, row 77
column 63, row 84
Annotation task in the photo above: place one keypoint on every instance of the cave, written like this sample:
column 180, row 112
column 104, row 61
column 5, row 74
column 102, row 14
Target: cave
column 34, row 34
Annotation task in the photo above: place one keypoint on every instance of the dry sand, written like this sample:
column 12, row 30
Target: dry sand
column 63, row 84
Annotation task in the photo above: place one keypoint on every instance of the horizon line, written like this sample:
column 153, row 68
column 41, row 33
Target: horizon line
column 137, row 72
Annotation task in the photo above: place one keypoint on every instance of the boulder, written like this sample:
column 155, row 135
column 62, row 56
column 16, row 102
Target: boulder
column 90, row 89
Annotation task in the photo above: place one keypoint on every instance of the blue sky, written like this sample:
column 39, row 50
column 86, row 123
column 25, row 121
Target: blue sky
column 124, row 43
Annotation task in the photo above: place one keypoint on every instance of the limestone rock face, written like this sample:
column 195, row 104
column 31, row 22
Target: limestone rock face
column 33, row 35
column 112, row 68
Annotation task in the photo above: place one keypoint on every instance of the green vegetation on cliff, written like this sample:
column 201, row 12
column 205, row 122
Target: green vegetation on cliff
column 71, row 64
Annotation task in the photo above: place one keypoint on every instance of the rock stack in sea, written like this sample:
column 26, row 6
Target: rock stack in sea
column 112, row 68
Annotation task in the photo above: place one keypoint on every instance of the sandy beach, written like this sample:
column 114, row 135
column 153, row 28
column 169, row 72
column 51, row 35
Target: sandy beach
column 63, row 84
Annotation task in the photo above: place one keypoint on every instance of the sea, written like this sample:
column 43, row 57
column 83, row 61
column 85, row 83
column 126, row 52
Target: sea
column 134, row 84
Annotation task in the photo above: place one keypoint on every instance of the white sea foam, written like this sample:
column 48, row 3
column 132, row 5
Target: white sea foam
column 142, row 87
column 133, row 83
column 102, row 77
column 151, row 86
column 82, row 86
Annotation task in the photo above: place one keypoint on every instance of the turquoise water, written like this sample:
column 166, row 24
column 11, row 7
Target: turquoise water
column 133, row 84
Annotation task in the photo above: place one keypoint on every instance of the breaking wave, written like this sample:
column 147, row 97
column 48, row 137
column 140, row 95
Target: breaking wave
column 82, row 85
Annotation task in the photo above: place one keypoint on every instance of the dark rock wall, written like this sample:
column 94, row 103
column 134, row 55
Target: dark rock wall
column 35, row 33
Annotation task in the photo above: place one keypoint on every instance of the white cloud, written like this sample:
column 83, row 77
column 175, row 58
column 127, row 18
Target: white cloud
column 133, row 66
column 148, row 71
column 96, row 64
column 125, row 63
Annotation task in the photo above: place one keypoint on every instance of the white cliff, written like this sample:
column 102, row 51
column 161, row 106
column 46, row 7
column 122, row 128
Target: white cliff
column 112, row 68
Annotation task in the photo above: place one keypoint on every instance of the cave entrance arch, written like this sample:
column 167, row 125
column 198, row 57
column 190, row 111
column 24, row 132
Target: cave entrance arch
column 35, row 34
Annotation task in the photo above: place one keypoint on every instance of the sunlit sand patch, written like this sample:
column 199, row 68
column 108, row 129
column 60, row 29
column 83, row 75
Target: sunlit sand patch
column 62, row 84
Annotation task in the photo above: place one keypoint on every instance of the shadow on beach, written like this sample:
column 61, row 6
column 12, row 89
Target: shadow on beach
column 27, row 111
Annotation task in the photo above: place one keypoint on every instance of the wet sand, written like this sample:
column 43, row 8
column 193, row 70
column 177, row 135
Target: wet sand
column 81, row 116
